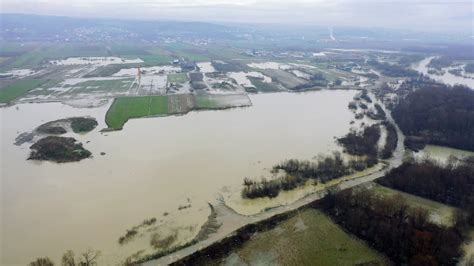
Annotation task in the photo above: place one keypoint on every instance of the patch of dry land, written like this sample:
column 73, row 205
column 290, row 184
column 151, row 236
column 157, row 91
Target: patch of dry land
column 58, row 149
column 79, row 125
column 126, row 108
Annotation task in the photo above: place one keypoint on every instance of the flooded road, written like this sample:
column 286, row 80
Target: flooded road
column 152, row 167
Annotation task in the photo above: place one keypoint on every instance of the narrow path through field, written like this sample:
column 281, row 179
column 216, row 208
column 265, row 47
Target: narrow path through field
column 149, row 106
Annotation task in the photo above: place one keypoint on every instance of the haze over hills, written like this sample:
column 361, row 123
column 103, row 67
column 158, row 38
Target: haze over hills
column 22, row 27
column 199, row 132
column 441, row 16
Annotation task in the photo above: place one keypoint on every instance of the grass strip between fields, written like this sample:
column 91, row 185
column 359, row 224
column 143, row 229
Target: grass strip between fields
column 18, row 89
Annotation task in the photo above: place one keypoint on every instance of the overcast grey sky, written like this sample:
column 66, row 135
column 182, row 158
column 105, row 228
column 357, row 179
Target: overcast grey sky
column 427, row 15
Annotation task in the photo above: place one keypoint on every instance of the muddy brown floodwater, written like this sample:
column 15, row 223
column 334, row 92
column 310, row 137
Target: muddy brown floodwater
column 446, row 78
column 152, row 166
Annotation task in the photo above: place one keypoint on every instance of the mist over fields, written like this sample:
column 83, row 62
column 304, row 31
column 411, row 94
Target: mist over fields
column 203, row 132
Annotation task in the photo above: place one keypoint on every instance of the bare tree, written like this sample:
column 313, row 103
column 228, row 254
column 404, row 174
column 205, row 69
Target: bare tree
column 89, row 258
column 68, row 259
column 42, row 262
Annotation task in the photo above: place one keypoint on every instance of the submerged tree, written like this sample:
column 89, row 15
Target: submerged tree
column 298, row 172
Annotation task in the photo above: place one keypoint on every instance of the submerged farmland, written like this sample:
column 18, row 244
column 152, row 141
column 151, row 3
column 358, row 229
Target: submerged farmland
column 215, row 165
column 161, row 173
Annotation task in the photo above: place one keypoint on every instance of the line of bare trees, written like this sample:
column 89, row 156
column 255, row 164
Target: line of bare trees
column 87, row 258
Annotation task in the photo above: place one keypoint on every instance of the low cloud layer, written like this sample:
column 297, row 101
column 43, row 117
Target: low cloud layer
column 426, row 15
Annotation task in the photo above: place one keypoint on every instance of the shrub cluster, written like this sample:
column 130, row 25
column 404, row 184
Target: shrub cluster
column 83, row 124
column 362, row 143
column 391, row 141
column 298, row 172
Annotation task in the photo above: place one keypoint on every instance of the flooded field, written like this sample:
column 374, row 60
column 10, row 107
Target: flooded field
column 254, row 206
column 442, row 154
column 18, row 73
column 270, row 65
column 148, row 70
column 308, row 237
column 447, row 77
column 95, row 61
column 206, row 67
column 166, row 168
column 242, row 78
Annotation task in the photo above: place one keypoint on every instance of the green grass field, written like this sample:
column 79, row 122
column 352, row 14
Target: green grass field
column 18, row 89
column 125, row 108
column 308, row 238
column 188, row 52
column 206, row 102
column 159, row 105
column 220, row 52
column 439, row 213
column 155, row 59
column 27, row 60
column 39, row 54
column 157, row 56
column 177, row 78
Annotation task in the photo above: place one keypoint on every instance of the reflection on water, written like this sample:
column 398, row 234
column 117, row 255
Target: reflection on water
column 153, row 166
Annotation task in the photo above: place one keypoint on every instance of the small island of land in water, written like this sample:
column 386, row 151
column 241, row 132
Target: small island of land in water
column 58, row 149
column 79, row 125
column 55, row 148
